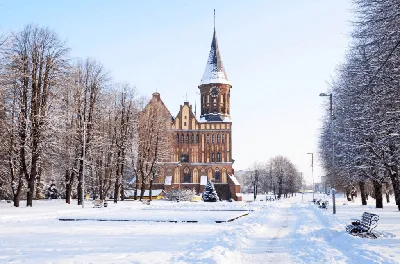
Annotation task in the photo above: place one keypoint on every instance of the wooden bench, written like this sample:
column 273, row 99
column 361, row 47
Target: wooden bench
column 99, row 203
column 324, row 205
column 364, row 227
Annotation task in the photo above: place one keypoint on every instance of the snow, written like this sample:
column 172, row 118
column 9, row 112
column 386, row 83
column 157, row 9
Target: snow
column 284, row 231
column 215, row 71
column 155, row 192
column 233, row 178
column 226, row 119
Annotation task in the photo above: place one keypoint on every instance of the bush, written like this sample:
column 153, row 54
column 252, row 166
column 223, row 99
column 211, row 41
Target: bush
column 181, row 195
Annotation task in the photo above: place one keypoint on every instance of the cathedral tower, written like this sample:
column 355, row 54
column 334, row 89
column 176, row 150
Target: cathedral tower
column 215, row 88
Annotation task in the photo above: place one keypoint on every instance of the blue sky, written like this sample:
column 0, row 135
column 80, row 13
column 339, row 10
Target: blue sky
column 279, row 55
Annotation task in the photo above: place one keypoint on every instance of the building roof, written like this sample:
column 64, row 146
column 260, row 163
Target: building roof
column 154, row 193
column 215, row 71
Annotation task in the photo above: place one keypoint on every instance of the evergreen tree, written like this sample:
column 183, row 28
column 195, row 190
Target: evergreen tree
column 210, row 194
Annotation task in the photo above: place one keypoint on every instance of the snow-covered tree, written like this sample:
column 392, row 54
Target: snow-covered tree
column 210, row 194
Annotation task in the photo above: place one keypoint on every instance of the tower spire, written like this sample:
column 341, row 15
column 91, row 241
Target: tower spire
column 214, row 19
column 215, row 71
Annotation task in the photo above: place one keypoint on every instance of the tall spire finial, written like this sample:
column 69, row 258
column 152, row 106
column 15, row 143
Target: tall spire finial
column 214, row 18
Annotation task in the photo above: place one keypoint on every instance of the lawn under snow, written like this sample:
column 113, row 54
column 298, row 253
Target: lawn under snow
column 286, row 231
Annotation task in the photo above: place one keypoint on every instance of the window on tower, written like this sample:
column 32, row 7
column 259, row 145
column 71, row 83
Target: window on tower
column 217, row 138
column 212, row 138
column 218, row 157
column 223, row 138
column 177, row 138
column 192, row 139
column 187, row 138
column 197, row 138
column 182, row 138
column 208, row 139
column 213, row 157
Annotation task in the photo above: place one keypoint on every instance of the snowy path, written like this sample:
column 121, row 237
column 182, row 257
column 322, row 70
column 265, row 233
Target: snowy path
column 269, row 243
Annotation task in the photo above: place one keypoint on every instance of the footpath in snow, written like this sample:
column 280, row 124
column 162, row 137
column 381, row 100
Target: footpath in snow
column 285, row 231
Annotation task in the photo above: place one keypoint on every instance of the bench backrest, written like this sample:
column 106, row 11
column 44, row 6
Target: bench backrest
column 369, row 221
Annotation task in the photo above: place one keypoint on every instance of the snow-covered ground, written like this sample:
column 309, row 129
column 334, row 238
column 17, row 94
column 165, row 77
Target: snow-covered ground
column 286, row 231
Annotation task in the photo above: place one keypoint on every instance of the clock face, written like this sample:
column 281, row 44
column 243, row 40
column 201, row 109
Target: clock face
column 214, row 91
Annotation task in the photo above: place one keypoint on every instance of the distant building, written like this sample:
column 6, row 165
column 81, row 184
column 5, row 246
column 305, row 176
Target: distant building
column 202, row 149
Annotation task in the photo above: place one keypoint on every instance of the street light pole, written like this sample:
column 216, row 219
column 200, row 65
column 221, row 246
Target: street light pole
column 333, row 152
column 312, row 173
column 83, row 167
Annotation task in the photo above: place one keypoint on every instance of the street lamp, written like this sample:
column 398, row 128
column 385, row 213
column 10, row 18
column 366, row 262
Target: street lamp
column 312, row 172
column 333, row 152
column 83, row 166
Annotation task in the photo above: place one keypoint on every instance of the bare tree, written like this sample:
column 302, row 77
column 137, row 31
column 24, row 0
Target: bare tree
column 89, row 80
column 154, row 140
column 36, row 63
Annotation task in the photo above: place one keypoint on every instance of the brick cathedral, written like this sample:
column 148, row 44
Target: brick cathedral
column 202, row 148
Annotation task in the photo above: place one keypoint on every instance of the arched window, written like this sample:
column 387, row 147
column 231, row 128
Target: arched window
column 212, row 138
column 197, row 138
column 187, row 138
column 192, row 139
column 213, row 157
column 177, row 138
column 182, row 138
column 217, row 176
column 208, row 138
column 217, row 138
column 223, row 138
column 218, row 157
column 186, row 175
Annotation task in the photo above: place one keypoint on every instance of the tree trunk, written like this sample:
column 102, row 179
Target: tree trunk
column 69, row 179
column 394, row 177
column 31, row 190
column 136, row 187
column 254, row 192
column 38, row 194
column 122, row 192
column 363, row 194
column 348, row 195
column 150, row 188
column 378, row 194
column 80, row 179
column 17, row 194
column 116, row 190
column 142, row 189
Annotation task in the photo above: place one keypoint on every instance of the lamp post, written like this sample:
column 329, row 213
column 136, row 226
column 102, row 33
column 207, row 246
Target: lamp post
column 333, row 152
column 83, row 166
column 312, row 172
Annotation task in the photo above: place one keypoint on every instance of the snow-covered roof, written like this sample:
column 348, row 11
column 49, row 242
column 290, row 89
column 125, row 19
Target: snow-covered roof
column 155, row 192
column 215, row 71
column 235, row 181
